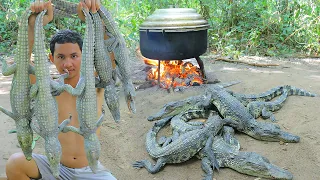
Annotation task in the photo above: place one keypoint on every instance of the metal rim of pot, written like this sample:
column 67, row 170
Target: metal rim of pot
column 174, row 20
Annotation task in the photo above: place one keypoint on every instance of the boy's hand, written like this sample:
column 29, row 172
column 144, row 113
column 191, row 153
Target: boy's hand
column 93, row 6
column 39, row 5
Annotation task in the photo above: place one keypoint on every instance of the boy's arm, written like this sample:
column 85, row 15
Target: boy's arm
column 36, row 7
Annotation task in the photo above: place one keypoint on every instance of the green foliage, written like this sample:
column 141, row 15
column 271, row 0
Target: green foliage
column 261, row 27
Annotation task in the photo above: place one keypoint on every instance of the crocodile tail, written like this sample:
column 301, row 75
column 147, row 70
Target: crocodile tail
column 300, row 92
column 228, row 84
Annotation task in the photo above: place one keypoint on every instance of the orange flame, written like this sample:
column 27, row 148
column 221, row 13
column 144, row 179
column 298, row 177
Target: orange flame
column 174, row 73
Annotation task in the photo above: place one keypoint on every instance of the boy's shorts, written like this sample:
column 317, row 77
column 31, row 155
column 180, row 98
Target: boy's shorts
column 67, row 173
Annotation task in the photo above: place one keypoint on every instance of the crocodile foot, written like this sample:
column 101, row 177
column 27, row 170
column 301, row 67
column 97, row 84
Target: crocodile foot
column 112, row 101
column 147, row 164
column 130, row 94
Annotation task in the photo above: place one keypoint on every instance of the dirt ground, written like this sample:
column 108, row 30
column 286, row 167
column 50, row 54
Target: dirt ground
column 124, row 143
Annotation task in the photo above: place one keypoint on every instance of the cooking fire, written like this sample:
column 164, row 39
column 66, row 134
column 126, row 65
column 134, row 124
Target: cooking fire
column 174, row 73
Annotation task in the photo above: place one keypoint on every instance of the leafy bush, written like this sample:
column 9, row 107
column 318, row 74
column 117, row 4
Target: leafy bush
column 261, row 27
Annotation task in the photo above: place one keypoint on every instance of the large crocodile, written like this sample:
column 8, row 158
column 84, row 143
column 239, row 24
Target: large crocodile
column 121, row 54
column 45, row 107
column 259, row 108
column 19, row 93
column 226, row 149
column 183, row 148
column 231, row 108
column 86, row 102
column 104, row 69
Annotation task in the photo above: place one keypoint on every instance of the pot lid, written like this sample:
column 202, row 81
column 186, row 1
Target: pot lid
column 174, row 19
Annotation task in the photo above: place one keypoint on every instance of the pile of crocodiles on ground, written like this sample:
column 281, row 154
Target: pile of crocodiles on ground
column 214, row 141
column 42, row 115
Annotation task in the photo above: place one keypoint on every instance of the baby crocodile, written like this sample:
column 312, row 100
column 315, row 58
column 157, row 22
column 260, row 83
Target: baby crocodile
column 20, row 88
column 45, row 108
column 121, row 54
column 103, row 67
column 258, row 108
column 86, row 101
column 245, row 99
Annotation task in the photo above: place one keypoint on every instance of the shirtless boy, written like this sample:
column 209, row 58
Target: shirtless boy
column 65, row 49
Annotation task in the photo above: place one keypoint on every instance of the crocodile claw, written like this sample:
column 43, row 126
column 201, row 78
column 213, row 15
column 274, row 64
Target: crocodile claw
column 130, row 96
column 139, row 164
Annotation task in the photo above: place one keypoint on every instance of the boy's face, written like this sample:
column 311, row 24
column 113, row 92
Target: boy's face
column 67, row 56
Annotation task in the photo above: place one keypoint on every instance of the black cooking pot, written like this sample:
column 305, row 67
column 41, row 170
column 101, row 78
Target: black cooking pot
column 173, row 34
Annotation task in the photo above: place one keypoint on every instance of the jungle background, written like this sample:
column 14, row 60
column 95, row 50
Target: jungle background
column 283, row 28
column 284, row 32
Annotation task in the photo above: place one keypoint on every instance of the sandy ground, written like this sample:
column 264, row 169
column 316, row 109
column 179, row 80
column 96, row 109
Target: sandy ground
column 124, row 143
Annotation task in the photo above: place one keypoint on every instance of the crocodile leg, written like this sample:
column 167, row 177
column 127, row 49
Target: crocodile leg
column 8, row 70
column 8, row 113
column 210, row 154
column 100, row 120
column 33, row 90
column 64, row 123
column 78, row 89
column 265, row 114
column 148, row 165
column 71, row 129
column 57, row 87
column 206, row 167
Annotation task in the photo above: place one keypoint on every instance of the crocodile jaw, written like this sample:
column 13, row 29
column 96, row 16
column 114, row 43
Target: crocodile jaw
column 25, row 138
column 256, row 165
column 53, row 153
column 92, row 147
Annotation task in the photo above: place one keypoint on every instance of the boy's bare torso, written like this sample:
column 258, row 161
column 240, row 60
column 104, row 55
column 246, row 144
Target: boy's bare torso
column 73, row 152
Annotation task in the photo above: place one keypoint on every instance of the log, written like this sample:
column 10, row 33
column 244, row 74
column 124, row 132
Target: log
column 244, row 62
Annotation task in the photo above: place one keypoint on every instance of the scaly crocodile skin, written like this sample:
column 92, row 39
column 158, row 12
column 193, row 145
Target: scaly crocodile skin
column 258, row 108
column 121, row 54
column 45, row 107
column 231, row 108
column 20, row 88
column 86, row 98
column 226, row 150
column 245, row 99
column 183, row 148
column 195, row 102
column 104, row 69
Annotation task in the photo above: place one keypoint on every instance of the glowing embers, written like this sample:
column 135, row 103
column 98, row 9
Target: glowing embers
column 174, row 73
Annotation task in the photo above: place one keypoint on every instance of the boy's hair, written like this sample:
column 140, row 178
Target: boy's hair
column 65, row 36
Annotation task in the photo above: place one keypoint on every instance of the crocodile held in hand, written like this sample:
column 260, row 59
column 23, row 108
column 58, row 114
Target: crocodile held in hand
column 20, row 88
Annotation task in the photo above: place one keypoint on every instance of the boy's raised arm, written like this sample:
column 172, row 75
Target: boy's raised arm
column 36, row 7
